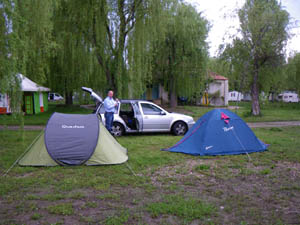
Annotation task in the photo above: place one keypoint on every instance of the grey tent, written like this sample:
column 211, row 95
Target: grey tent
column 72, row 139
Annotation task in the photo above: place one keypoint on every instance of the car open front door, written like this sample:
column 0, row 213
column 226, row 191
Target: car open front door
column 138, row 116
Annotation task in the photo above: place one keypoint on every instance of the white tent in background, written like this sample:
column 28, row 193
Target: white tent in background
column 35, row 97
column 29, row 85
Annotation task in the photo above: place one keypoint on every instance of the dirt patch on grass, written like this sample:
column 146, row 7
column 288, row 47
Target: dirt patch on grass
column 239, row 191
column 256, row 194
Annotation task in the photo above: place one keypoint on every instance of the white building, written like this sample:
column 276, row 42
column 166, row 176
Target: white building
column 218, row 90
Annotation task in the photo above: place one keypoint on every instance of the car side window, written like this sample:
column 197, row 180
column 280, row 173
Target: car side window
column 149, row 109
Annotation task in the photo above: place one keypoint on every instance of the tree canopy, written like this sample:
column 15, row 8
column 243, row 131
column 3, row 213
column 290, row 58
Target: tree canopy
column 257, row 56
column 127, row 45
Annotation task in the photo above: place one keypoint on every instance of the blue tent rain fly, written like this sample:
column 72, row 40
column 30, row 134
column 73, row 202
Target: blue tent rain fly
column 219, row 132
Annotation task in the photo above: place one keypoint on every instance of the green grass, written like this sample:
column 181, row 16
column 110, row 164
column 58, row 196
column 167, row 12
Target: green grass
column 202, row 167
column 61, row 209
column 120, row 219
column 189, row 209
column 269, row 111
column 42, row 118
column 169, row 188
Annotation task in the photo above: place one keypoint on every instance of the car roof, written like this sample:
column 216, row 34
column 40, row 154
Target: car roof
column 133, row 100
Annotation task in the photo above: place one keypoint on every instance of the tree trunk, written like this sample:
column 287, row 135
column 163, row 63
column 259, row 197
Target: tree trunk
column 255, row 93
column 173, row 94
column 69, row 98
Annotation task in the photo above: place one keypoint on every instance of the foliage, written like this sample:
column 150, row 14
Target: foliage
column 292, row 70
column 33, row 28
column 257, row 56
column 9, row 45
column 120, row 44
column 180, row 57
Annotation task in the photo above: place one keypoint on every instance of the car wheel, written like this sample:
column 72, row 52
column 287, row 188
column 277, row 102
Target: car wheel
column 117, row 129
column 179, row 128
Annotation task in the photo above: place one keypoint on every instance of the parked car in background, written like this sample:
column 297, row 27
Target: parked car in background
column 134, row 116
column 288, row 97
column 55, row 97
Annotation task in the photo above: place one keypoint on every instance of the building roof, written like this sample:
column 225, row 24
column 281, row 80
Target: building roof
column 216, row 76
column 29, row 85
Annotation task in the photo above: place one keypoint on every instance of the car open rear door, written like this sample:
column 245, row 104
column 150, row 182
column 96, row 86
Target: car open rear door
column 138, row 116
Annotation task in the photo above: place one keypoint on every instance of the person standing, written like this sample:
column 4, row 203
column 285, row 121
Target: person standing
column 110, row 106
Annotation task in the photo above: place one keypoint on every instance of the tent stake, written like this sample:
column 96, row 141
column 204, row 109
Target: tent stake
column 249, row 158
column 130, row 169
column 13, row 165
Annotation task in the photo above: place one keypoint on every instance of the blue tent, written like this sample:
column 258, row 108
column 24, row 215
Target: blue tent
column 219, row 132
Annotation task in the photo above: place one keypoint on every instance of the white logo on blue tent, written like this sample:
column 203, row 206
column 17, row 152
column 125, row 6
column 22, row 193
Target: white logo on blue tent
column 208, row 147
column 226, row 129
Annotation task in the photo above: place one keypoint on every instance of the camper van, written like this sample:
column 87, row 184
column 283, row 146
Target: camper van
column 235, row 96
column 288, row 97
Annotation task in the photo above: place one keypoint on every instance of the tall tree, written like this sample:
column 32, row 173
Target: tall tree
column 180, row 57
column 264, row 34
column 34, row 30
column 73, row 64
column 9, row 45
column 292, row 69
column 111, row 31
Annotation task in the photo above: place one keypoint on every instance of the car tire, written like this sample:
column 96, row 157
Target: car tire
column 117, row 129
column 179, row 128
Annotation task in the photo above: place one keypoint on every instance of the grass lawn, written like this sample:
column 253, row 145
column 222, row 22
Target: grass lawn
column 270, row 112
column 169, row 188
column 42, row 118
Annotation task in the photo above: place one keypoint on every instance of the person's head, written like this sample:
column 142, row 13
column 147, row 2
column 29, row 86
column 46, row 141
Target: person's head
column 110, row 93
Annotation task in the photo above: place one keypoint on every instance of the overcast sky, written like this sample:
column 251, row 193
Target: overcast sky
column 222, row 16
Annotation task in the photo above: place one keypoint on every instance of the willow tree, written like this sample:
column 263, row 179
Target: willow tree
column 73, row 64
column 116, row 29
column 264, row 34
column 9, row 45
column 34, row 30
column 180, row 57
column 108, row 33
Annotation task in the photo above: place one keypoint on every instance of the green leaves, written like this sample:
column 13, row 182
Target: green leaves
column 257, row 56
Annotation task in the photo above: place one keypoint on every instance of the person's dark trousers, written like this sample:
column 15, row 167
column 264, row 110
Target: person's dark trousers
column 109, row 118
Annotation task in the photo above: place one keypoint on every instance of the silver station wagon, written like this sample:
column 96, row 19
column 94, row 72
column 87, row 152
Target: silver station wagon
column 134, row 116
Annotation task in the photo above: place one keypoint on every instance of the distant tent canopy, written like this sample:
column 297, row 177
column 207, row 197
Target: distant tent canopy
column 72, row 139
column 35, row 97
column 219, row 132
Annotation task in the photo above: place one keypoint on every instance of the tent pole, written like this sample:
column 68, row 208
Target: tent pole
column 12, row 166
